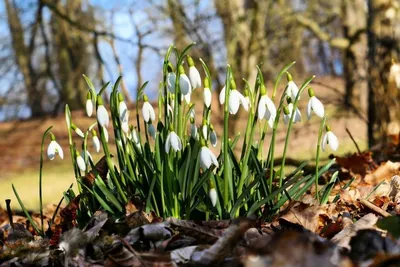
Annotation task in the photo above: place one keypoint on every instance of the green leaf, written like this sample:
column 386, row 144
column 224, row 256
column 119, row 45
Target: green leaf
column 391, row 224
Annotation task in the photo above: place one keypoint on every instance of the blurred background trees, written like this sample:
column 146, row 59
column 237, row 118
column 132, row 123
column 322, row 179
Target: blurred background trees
column 46, row 45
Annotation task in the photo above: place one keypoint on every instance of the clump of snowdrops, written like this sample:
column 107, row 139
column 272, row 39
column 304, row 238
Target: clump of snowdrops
column 168, row 163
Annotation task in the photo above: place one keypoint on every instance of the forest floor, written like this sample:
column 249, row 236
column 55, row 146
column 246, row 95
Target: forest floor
column 20, row 142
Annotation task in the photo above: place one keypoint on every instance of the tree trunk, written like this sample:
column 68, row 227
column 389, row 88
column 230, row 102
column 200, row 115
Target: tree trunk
column 383, row 44
column 23, row 55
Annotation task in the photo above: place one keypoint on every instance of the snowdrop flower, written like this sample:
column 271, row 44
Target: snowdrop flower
column 123, row 113
column 151, row 130
column 193, row 128
column 213, row 196
column 96, row 141
column 394, row 74
column 89, row 104
column 171, row 79
column 287, row 110
column 204, row 130
column 194, row 74
column 148, row 110
column 246, row 100
column 314, row 105
column 266, row 108
column 184, row 82
column 170, row 110
column 77, row 130
column 80, row 162
column 330, row 139
column 207, row 93
column 102, row 114
column 235, row 99
column 207, row 158
column 173, row 141
column 54, row 148
column 292, row 89
column 213, row 136
column 187, row 98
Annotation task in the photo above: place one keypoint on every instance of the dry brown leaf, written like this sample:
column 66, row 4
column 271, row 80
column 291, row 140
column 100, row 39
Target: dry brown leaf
column 201, row 233
column 384, row 172
column 304, row 215
column 343, row 237
column 358, row 163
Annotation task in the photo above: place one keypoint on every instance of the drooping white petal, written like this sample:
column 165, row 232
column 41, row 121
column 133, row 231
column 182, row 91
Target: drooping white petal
column 207, row 158
column 266, row 108
column 317, row 107
column 79, row 132
column 207, row 97
column 213, row 196
column 222, row 96
column 176, row 143
column 292, row 90
column 297, row 116
column 192, row 113
column 123, row 111
column 81, row 163
column 171, row 78
column 332, row 140
column 168, row 143
column 96, row 144
column 213, row 138
column 195, row 78
column 234, row 101
column 244, row 102
column 152, row 131
column 170, row 110
column 193, row 130
column 53, row 149
column 187, row 98
column 262, row 108
column 125, row 126
column 309, row 109
column 89, row 107
column 324, row 141
column 205, row 131
column 184, row 84
column 148, row 112
column 102, row 116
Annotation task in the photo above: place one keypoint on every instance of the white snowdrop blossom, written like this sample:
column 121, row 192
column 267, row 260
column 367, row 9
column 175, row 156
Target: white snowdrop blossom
column 192, row 113
column 170, row 110
column 171, row 80
column 148, row 110
column 222, row 96
column 151, row 130
column 184, row 82
column 123, row 113
column 330, row 139
column 54, row 148
column 213, row 196
column 235, row 100
column 96, row 141
column 187, row 98
column 213, row 136
column 89, row 104
column 266, row 108
column 173, row 141
column 207, row 97
column 204, row 130
column 314, row 105
column 296, row 117
column 193, row 130
column 194, row 74
column 77, row 130
column 207, row 158
column 292, row 88
column 102, row 114
column 80, row 162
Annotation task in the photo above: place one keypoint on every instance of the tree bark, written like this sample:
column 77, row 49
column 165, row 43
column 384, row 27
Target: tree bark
column 383, row 44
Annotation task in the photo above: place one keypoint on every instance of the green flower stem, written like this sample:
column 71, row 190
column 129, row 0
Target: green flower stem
column 40, row 176
column 71, row 147
column 279, row 78
column 226, row 137
column 296, row 101
column 321, row 129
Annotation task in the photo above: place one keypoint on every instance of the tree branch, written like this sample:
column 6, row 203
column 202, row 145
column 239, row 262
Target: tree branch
column 336, row 42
